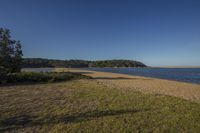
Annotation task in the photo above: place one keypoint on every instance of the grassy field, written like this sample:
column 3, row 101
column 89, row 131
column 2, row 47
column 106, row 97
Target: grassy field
column 88, row 106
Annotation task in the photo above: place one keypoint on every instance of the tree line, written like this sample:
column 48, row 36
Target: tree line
column 40, row 62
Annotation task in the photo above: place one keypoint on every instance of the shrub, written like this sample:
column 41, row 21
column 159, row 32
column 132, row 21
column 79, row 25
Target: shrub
column 32, row 77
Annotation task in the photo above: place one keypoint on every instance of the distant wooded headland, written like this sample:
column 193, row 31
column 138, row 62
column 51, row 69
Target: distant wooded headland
column 40, row 62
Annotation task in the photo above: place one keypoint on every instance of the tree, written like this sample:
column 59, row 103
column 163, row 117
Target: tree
column 10, row 53
column 17, row 59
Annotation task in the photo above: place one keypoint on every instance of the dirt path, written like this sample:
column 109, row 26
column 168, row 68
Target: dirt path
column 146, row 85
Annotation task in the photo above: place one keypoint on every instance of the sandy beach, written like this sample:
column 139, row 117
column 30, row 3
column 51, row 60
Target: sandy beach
column 155, row 86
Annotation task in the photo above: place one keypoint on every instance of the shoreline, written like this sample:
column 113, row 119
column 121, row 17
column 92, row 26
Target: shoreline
column 188, row 91
column 63, row 69
column 137, row 75
column 121, row 75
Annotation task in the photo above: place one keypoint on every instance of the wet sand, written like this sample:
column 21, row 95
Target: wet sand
column 183, row 90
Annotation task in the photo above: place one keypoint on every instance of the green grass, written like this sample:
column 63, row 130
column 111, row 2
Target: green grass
column 86, row 106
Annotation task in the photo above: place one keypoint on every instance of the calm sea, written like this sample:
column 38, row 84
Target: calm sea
column 191, row 75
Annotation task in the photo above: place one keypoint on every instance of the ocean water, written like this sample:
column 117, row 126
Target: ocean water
column 191, row 75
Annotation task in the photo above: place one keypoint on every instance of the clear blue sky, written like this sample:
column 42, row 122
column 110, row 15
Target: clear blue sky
column 156, row 32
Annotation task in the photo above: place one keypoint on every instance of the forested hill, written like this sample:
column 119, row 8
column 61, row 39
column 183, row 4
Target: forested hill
column 39, row 62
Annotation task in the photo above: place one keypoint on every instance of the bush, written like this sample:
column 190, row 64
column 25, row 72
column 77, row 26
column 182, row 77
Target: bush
column 32, row 77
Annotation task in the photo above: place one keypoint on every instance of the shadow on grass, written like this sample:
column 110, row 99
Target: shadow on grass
column 21, row 121
column 33, row 83
column 82, row 72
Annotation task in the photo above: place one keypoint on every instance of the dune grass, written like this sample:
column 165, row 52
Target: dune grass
column 87, row 106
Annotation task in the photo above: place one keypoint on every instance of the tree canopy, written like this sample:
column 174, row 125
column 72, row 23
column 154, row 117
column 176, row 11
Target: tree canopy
column 39, row 62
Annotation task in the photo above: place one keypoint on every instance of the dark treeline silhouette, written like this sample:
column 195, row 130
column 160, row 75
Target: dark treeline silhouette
column 40, row 62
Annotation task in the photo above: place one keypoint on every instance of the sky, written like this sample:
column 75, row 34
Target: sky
column 155, row 32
